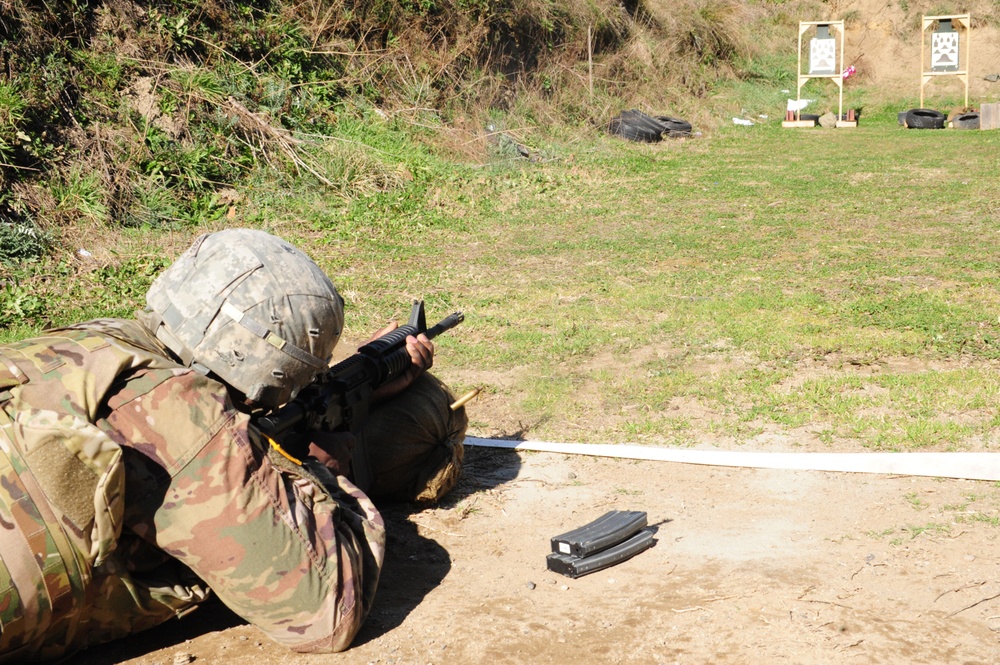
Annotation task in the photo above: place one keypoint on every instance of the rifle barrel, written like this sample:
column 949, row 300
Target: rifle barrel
column 447, row 323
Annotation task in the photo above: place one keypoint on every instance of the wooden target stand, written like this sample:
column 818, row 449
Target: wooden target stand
column 837, row 77
column 926, row 76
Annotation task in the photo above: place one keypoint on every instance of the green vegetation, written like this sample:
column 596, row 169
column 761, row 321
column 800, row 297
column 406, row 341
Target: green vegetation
column 149, row 114
column 714, row 289
column 930, row 528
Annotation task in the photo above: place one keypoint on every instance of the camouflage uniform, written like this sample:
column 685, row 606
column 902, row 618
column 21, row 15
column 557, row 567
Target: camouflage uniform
column 130, row 486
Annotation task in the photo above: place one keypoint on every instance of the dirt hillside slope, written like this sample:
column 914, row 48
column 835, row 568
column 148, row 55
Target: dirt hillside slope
column 883, row 41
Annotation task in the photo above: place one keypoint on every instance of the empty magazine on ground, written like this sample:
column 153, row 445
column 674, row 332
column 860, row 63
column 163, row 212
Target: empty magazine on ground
column 610, row 539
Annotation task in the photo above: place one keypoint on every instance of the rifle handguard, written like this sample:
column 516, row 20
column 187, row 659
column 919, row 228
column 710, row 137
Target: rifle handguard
column 399, row 360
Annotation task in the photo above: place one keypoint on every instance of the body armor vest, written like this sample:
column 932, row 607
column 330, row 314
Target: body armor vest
column 61, row 475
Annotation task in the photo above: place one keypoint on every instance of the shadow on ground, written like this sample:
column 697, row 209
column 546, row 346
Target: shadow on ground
column 211, row 616
column 414, row 564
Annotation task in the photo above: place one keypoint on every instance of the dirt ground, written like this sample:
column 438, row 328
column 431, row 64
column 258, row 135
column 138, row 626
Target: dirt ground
column 750, row 566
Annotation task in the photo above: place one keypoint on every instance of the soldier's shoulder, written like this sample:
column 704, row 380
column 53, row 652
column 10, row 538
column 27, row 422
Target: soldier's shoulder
column 129, row 331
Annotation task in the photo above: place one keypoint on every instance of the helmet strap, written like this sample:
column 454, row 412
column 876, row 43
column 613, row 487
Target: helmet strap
column 271, row 338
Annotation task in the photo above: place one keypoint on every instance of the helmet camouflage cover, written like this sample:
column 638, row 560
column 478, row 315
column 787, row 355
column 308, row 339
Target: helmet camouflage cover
column 252, row 309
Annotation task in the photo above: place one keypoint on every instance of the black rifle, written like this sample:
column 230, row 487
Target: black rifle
column 339, row 398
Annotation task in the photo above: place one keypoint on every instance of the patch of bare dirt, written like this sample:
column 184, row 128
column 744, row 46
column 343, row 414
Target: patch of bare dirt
column 750, row 566
column 883, row 42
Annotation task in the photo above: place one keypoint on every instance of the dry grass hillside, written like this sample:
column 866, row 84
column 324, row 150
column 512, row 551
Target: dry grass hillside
column 126, row 113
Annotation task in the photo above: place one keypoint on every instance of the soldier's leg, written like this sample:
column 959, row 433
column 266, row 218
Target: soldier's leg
column 412, row 443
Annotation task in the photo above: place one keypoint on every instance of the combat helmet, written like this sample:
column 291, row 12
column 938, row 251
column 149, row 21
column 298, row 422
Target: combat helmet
column 251, row 309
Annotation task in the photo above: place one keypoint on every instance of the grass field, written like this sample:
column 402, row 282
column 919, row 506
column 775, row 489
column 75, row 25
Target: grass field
column 793, row 289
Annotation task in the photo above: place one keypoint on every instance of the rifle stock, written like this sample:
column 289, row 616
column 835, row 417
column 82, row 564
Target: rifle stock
column 339, row 398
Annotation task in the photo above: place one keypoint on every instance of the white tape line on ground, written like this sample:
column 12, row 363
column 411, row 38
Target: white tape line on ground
column 972, row 466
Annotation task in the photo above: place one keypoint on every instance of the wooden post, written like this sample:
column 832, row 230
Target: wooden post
column 798, row 78
column 989, row 116
column 590, row 63
column 968, row 56
column 923, row 79
column 840, row 77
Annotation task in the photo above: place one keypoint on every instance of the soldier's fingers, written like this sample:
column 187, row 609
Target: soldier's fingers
column 384, row 331
column 421, row 351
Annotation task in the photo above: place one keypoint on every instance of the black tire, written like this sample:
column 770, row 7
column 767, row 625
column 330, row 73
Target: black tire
column 640, row 119
column 634, row 128
column 925, row 119
column 674, row 126
column 809, row 116
column 966, row 121
column 637, row 126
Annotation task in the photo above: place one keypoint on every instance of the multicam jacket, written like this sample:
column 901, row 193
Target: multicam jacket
column 130, row 486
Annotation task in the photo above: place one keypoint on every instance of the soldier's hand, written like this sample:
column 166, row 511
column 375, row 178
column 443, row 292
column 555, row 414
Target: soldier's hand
column 333, row 450
column 421, row 352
